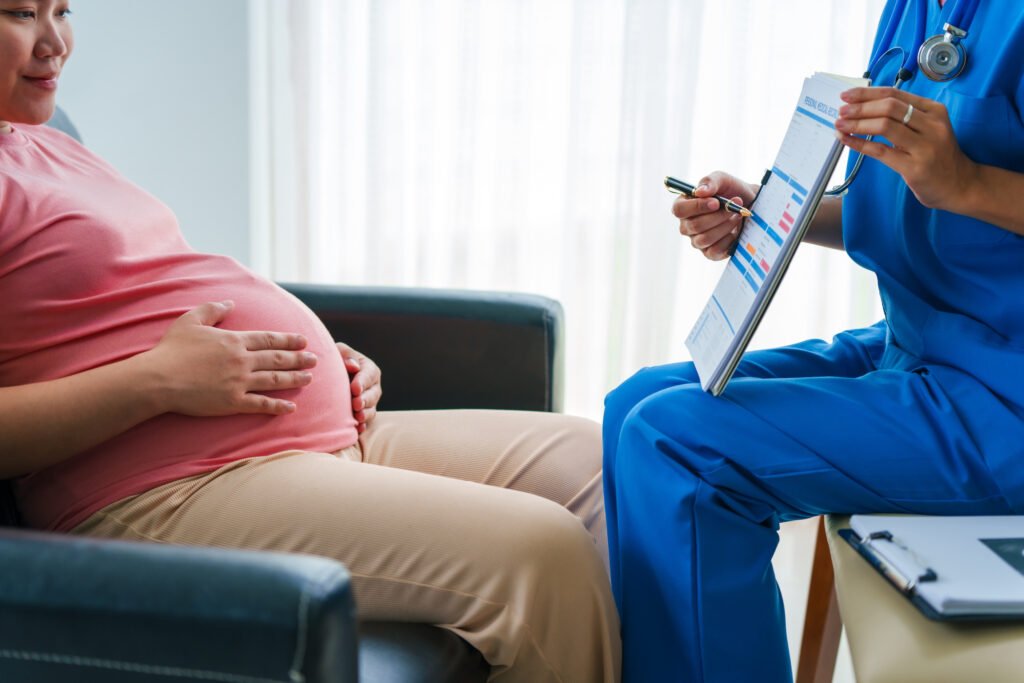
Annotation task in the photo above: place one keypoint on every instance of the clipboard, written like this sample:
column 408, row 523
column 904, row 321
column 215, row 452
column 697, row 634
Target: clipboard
column 909, row 574
column 783, row 210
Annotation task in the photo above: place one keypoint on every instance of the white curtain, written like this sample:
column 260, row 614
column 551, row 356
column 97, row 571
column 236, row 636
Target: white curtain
column 521, row 144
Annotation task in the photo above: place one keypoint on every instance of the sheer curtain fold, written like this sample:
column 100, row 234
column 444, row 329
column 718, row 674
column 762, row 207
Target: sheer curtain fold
column 521, row 144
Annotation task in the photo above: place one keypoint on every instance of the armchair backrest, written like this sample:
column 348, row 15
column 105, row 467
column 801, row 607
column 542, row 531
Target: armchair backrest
column 61, row 122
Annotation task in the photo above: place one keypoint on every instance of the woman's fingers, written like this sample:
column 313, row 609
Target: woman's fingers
column 872, row 94
column 714, row 234
column 702, row 218
column 278, row 380
column 364, row 385
column 886, row 108
column 692, row 227
column 368, row 399
column 368, row 376
column 722, row 183
column 685, row 208
column 893, row 131
column 896, row 159
column 283, row 360
column 208, row 314
column 265, row 341
column 722, row 248
column 363, row 418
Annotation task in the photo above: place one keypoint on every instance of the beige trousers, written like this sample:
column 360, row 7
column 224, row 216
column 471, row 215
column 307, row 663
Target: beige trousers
column 487, row 523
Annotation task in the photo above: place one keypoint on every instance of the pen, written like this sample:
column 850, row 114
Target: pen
column 681, row 187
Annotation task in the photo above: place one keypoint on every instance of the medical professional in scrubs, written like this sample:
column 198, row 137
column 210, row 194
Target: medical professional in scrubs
column 920, row 413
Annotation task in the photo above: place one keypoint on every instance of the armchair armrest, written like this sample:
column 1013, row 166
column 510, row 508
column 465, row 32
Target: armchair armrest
column 443, row 348
column 87, row 610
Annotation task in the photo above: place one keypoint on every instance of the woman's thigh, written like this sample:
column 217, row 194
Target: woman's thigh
column 551, row 455
column 420, row 547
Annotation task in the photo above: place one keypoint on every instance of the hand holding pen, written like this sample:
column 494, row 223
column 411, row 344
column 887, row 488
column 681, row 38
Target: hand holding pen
column 707, row 216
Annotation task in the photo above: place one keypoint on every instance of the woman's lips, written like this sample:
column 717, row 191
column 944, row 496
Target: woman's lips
column 48, row 83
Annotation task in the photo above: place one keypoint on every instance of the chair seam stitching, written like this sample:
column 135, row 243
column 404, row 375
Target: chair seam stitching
column 120, row 665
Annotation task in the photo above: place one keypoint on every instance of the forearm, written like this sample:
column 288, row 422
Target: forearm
column 826, row 229
column 992, row 195
column 42, row 424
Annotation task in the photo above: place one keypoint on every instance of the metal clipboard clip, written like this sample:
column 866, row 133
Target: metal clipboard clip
column 905, row 581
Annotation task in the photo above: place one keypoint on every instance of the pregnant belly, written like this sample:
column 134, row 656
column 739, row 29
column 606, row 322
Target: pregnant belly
column 263, row 306
column 172, row 447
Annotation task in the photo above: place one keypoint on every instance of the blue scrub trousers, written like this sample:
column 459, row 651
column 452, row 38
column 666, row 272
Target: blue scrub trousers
column 696, row 487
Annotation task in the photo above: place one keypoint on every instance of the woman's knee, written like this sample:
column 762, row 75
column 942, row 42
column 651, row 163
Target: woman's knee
column 547, row 541
column 578, row 436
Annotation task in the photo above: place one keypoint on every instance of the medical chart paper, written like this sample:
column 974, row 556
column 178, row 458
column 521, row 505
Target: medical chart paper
column 782, row 212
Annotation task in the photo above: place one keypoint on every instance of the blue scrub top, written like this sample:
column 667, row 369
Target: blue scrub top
column 952, row 287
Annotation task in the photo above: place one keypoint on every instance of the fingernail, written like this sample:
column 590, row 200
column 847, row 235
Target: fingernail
column 306, row 376
column 712, row 204
column 289, row 406
column 309, row 357
column 843, row 124
column 702, row 187
column 227, row 303
column 846, row 95
column 840, row 136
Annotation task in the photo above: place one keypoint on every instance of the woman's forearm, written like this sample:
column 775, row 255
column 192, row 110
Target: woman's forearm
column 827, row 228
column 42, row 424
column 994, row 196
column 196, row 369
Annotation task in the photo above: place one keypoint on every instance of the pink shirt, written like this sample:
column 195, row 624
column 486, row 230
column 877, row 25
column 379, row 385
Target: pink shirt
column 94, row 270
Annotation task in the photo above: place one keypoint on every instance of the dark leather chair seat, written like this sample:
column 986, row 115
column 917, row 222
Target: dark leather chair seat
column 391, row 652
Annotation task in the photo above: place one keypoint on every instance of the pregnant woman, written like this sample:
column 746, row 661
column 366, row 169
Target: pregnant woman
column 151, row 392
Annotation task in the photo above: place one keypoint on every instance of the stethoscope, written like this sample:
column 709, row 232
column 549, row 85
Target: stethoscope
column 941, row 58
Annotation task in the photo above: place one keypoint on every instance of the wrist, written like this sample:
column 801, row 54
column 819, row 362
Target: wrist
column 148, row 384
column 968, row 199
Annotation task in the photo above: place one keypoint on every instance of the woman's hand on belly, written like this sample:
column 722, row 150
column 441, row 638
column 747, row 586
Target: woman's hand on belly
column 365, row 386
column 204, row 371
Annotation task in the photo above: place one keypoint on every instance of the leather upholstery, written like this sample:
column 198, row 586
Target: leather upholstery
column 416, row 653
column 504, row 349
column 102, row 611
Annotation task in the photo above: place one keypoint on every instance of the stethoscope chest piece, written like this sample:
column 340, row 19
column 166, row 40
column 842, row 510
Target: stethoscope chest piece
column 942, row 57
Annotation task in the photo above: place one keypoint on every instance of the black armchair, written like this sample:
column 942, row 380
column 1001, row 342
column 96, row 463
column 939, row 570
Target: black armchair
column 75, row 609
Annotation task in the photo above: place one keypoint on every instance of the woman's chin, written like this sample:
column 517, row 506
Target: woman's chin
column 34, row 116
